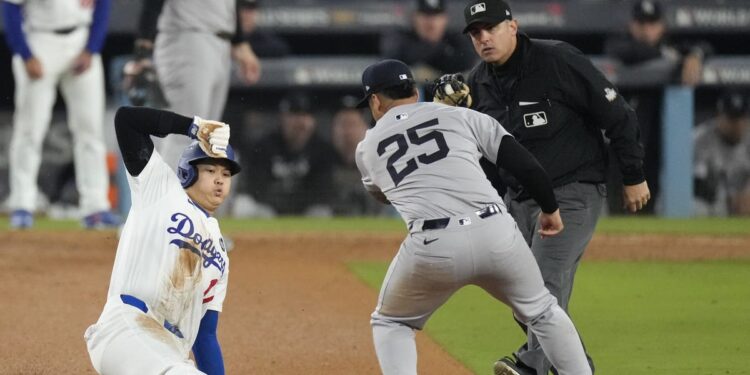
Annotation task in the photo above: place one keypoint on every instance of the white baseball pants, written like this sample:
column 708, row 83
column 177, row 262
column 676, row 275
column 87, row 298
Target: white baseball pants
column 84, row 99
column 129, row 342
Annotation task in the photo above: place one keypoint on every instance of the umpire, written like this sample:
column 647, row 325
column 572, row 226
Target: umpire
column 556, row 104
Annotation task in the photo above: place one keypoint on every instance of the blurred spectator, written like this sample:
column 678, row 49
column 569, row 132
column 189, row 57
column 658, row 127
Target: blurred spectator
column 429, row 43
column 722, row 159
column 264, row 42
column 189, row 43
column 58, row 47
column 348, row 128
column 644, row 45
column 292, row 167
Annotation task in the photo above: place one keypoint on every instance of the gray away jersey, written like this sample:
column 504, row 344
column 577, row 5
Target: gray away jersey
column 211, row 16
column 425, row 158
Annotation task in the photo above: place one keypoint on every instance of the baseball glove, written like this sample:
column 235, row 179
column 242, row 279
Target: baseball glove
column 141, row 84
column 213, row 136
column 450, row 89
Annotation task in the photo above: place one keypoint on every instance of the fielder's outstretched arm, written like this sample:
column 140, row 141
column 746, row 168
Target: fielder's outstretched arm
column 134, row 127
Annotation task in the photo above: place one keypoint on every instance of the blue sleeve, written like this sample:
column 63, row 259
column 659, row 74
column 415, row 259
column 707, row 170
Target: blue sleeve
column 14, row 31
column 98, row 31
column 206, row 349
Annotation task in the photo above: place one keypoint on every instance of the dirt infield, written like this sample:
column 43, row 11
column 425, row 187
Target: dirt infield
column 293, row 307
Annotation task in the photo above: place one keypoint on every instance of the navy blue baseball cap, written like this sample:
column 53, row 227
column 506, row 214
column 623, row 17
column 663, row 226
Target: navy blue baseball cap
column 382, row 75
column 646, row 11
column 733, row 104
column 431, row 6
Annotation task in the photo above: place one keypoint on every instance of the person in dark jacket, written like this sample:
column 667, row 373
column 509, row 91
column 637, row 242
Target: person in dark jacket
column 646, row 43
column 551, row 98
column 265, row 43
column 292, row 165
column 429, row 42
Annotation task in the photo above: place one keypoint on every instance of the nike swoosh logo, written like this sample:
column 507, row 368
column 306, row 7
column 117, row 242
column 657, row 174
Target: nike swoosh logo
column 521, row 104
column 427, row 242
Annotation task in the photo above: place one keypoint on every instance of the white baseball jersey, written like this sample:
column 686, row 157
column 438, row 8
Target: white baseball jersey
column 425, row 158
column 171, row 254
column 48, row 15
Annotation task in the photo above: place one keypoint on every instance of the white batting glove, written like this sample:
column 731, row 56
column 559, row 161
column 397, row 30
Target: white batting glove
column 213, row 136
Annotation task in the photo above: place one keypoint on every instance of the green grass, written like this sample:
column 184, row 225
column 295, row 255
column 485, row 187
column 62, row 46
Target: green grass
column 656, row 225
column 636, row 318
column 282, row 224
column 608, row 225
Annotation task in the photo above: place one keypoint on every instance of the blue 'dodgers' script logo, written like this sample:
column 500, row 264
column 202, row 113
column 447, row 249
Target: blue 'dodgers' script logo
column 204, row 245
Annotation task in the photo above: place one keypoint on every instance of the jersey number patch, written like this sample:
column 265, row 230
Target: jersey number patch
column 415, row 139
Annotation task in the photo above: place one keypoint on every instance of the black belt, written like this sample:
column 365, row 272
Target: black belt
column 65, row 31
column 140, row 305
column 225, row 35
column 435, row 223
column 441, row 223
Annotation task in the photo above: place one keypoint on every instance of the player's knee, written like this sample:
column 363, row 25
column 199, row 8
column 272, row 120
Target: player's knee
column 553, row 315
column 380, row 321
column 537, row 310
column 377, row 320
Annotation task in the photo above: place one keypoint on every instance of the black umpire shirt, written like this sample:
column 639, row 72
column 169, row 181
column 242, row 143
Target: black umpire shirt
column 556, row 104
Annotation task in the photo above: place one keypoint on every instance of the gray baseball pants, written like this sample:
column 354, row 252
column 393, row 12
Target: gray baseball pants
column 558, row 257
column 488, row 252
column 194, row 73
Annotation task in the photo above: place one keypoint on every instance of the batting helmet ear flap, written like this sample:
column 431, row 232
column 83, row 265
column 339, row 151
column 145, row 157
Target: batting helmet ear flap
column 186, row 171
column 187, row 176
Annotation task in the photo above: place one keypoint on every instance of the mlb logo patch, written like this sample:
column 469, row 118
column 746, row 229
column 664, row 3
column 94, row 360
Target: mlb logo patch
column 610, row 94
column 531, row 120
column 478, row 8
column 402, row 76
column 402, row 116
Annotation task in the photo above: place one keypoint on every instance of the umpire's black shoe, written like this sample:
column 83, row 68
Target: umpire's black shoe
column 509, row 366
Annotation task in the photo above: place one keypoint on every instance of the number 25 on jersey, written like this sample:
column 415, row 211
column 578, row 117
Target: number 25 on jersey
column 415, row 139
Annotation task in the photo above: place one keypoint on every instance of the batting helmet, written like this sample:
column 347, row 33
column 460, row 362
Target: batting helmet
column 186, row 171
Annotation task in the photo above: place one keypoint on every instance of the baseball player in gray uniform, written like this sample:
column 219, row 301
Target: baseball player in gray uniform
column 423, row 158
column 191, row 53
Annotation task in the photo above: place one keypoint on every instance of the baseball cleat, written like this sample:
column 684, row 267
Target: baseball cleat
column 506, row 366
column 21, row 219
column 101, row 219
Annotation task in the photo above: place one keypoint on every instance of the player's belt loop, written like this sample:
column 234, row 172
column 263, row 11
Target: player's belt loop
column 65, row 31
column 488, row 211
column 224, row 35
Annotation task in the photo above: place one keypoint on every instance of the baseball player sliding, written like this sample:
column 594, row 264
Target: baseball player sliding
column 58, row 43
column 170, row 274
column 423, row 158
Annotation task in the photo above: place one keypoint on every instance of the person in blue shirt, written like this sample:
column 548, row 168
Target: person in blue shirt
column 57, row 45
